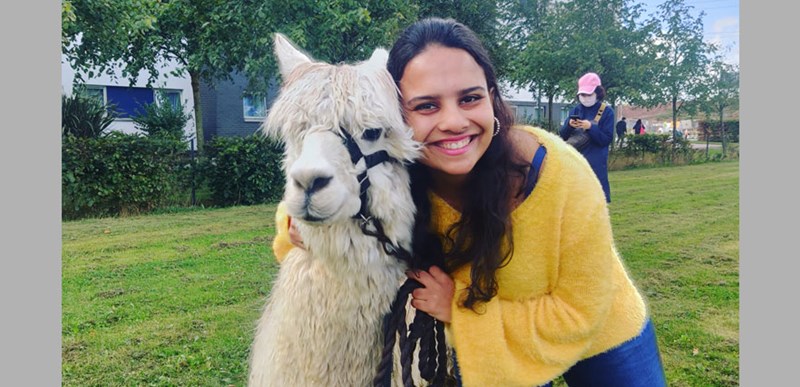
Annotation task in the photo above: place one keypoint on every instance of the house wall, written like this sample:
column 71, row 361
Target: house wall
column 164, row 81
column 223, row 108
column 527, row 109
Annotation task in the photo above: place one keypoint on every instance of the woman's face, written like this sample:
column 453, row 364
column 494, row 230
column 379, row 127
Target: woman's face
column 449, row 107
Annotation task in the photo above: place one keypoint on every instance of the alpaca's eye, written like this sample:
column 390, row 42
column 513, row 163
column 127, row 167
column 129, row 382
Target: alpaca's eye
column 372, row 134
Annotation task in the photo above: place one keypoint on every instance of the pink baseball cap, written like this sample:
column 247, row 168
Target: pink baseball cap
column 588, row 83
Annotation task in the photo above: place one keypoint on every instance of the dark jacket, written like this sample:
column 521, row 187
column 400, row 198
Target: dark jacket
column 637, row 127
column 601, row 134
column 621, row 128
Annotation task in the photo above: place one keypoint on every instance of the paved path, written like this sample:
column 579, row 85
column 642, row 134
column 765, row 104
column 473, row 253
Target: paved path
column 703, row 146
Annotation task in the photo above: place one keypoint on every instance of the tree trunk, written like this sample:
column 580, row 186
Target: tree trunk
column 551, row 127
column 198, row 111
column 722, row 131
column 674, row 125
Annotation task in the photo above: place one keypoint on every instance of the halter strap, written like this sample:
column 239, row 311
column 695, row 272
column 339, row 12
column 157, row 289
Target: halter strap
column 370, row 225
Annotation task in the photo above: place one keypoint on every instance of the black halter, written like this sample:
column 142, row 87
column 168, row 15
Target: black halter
column 370, row 225
column 425, row 331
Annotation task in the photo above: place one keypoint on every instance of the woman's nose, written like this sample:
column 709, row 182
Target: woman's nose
column 452, row 119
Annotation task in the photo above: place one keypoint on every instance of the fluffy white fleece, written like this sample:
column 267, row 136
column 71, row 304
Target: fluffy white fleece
column 321, row 325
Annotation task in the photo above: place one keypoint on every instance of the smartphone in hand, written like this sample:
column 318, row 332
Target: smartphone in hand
column 574, row 117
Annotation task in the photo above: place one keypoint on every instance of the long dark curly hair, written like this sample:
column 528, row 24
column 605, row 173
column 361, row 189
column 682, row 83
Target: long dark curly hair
column 482, row 237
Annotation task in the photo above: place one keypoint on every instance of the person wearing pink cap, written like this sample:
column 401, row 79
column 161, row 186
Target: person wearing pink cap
column 596, row 120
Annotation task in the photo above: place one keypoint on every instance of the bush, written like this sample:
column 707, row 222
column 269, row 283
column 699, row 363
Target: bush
column 117, row 174
column 162, row 119
column 651, row 150
column 714, row 131
column 84, row 116
column 243, row 170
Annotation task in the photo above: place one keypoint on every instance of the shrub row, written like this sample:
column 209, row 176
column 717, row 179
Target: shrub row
column 714, row 130
column 116, row 174
column 121, row 174
column 243, row 170
column 653, row 149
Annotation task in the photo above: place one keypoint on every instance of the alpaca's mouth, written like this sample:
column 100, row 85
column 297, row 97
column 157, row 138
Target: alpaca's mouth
column 313, row 219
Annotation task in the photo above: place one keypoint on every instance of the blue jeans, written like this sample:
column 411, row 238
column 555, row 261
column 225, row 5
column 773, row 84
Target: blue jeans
column 634, row 363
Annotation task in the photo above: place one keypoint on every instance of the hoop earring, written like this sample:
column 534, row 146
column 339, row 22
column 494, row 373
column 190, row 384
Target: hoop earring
column 496, row 127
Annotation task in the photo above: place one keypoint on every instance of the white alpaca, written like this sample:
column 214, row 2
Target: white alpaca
column 322, row 322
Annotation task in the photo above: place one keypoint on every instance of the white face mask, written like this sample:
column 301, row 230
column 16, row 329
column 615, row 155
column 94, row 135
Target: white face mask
column 588, row 100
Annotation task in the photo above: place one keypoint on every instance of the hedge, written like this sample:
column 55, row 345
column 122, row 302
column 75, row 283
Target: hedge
column 713, row 128
column 243, row 170
column 117, row 174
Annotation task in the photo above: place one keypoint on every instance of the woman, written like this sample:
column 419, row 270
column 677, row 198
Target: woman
column 597, row 121
column 525, row 275
column 638, row 127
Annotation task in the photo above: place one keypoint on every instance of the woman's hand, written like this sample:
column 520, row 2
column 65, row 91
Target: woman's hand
column 294, row 235
column 580, row 124
column 436, row 297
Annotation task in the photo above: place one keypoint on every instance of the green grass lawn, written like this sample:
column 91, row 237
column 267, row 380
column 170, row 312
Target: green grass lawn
column 172, row 299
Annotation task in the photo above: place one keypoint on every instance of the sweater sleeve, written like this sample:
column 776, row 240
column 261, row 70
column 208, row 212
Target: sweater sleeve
column 566, row 130
column 602, row 133
column 281, row 244
column 524, row 342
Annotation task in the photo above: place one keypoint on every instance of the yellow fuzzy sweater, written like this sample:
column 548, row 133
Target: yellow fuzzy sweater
column 564, row 295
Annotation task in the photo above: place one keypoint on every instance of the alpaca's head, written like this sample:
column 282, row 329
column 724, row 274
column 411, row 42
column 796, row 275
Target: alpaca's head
column 318, row 107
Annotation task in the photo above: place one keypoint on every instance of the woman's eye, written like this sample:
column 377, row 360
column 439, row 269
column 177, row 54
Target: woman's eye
column 372, row 134
column 470, row 98
column 424, row 106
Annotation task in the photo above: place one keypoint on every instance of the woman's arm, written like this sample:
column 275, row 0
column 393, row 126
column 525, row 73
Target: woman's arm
column 535, row 339
column 602, row 133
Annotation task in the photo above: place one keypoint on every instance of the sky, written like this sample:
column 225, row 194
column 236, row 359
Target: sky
column 721, row 23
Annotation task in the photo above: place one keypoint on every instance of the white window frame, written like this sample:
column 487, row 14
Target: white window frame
column 245, row 108
column 167, row 91
column 101, row 88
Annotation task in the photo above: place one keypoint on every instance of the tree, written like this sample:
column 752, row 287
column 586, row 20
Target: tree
column 680, row 62
column 542, row 63
column 481, row 16
column 560, row 41
column 209, row 39
column 722, row 91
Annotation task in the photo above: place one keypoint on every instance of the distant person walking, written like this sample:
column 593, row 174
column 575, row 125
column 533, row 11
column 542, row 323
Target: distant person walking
column 638, row 127
column 622, row 128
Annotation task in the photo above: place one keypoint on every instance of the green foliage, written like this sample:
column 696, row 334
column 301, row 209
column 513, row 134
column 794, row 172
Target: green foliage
column 653, row 150
column 162, row 119
column 557, row 42
column 680, row 62
column 84, row 116
column 117, row 174
column 714, row 130
column 482, row 17
column 243, row 170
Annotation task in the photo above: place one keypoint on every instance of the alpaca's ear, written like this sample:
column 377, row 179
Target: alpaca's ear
column 289, row 56
column 378, row 60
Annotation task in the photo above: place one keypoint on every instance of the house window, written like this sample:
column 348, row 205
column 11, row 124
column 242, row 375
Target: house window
column 255, row 107
column 129, row 101
column 98, row 92
column 173, row 96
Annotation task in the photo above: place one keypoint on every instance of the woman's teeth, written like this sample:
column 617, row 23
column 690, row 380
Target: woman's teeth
column 455, row 144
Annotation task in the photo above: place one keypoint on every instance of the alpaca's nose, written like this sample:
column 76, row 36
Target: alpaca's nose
column 318, row 183
column 310, row 181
